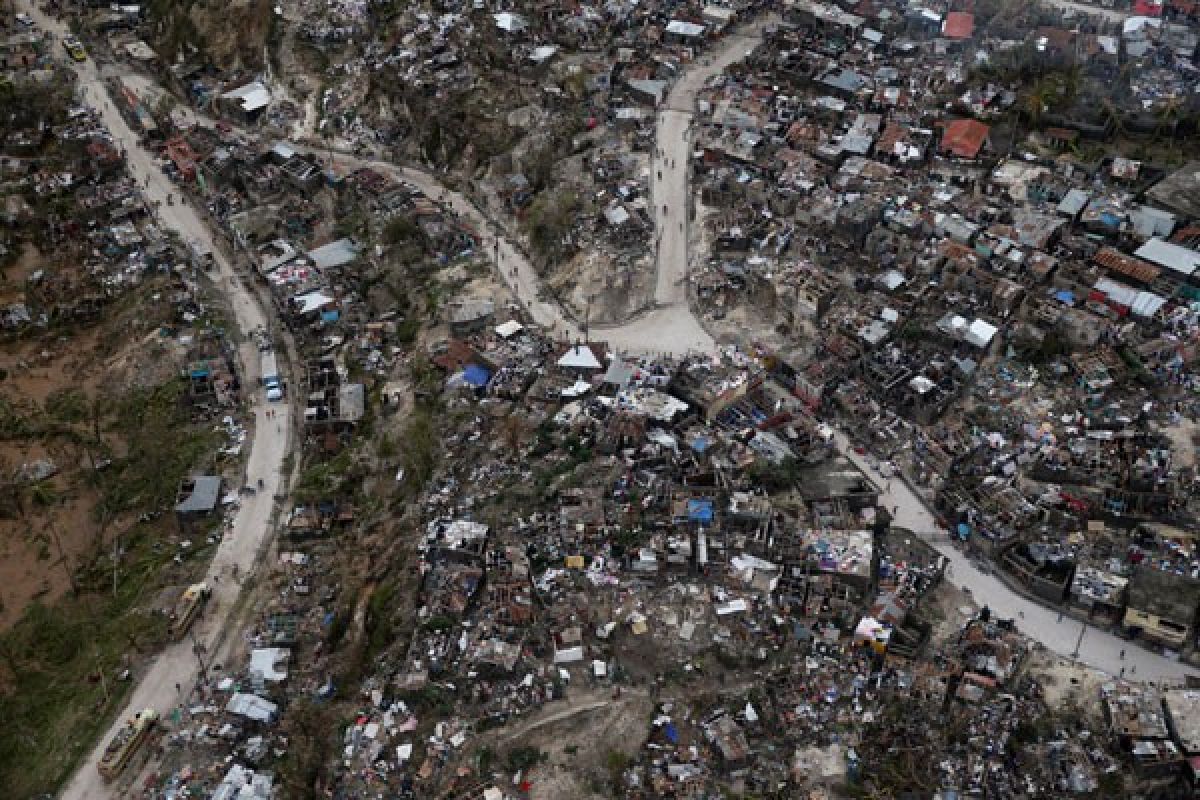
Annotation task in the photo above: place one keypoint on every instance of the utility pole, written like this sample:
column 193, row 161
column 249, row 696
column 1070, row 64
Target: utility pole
column 100, row 671
column 198, row 651
column 1079, row 641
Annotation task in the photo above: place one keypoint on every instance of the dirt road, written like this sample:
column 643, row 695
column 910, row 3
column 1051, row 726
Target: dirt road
column 671, row 188
column 1096, row 648
column 249, row 531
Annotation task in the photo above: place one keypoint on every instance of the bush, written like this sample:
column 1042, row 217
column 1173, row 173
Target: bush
column 520, row 759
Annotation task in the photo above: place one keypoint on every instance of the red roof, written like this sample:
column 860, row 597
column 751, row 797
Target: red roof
column 1128, row 266
column 964, row 138
column 1148, row 8
column 958, row 25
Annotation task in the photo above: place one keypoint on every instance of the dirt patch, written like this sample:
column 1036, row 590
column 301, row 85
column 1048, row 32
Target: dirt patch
column 1068, row 685
column 12, row 286
column 579, row 740
column 1184, row 436
column 50, row 528
column 605, row 288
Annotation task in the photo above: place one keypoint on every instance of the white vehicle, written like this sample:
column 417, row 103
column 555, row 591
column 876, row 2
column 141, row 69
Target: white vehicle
column 270, row 377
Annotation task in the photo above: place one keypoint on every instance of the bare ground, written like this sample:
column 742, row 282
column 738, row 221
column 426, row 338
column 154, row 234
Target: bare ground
column 578, row 737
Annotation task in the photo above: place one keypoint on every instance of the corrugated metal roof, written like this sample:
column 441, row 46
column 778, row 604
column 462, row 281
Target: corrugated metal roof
column 1128, row 266
column 1181, row 260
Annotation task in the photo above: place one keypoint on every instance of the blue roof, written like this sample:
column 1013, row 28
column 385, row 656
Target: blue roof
column 476, row 375
column 1063, row 296
column 700, row 510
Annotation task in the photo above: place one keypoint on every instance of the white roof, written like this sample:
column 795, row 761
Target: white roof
column 334, row 254
column 1135, row 24
column 508, row 21
column 312, row 301
column 509, row 329
column 1172, row 256
column 579, row 357
column 569, row 655
column 736, row 606
column 284, row 150
column 980, row 333
column 270, row 663
column 251, row 706
column 251, row 97
column 577, row 389
column 1141, row 304
column 718, row 12
column 681, row 28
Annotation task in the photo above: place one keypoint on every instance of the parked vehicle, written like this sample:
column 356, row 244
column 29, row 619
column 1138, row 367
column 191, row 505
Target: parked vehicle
column 187, row 609
column 74, row 48
column 127, row 741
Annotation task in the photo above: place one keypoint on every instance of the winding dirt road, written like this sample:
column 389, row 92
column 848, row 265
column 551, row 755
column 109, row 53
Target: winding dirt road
column 247, row 534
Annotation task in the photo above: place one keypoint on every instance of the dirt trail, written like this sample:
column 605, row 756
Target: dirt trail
column 244, row 539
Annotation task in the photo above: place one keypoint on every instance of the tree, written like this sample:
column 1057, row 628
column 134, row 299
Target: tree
column 1037, row 101
column 513, row 431
column 1168, row 117
column 1113, row 117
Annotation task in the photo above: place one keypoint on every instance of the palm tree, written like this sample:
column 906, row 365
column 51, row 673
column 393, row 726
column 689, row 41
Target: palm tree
column 1069, row 81
column 1168, row 115
column 1112, row 117
column 1038, row 100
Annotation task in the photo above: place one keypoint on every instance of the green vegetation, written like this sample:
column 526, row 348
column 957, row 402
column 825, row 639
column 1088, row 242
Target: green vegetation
column 311, row 729
column 59, row 668
column 328, row 479
column 162, row 447
column 420, row 456
column 522, row 758
column 549, row 220
column 776, row 477
column 59, row 664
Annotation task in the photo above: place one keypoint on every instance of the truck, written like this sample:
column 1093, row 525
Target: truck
column 187, row 609
column 202, row 255
column 127, row 741
column 74, row 48
column 270, row 376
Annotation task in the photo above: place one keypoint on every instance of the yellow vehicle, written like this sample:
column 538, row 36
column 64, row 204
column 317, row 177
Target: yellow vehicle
column 187, row 609
column 127, row 741
column 74, row 48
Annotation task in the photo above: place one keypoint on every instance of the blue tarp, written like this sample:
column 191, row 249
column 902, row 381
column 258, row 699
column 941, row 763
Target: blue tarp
column 700, row 510
column 672, row 733
column 476, row 376
column 1065, row 297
